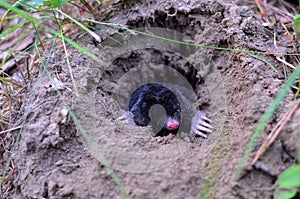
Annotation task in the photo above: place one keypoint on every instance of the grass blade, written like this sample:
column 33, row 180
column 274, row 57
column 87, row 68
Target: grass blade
column 266, row 117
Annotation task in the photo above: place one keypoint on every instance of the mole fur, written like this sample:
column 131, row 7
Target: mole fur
column 150, row 94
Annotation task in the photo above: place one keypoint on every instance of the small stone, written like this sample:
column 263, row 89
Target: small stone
column 58, row 84
column 64, row 112
column 66, row 190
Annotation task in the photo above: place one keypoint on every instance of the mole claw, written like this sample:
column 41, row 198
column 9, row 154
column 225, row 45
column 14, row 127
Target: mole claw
column 126, row 117
column 207, row 119
column 202, row 128
column 121, row 118
column 201, row 134
column 202, row 116
column 205, row 124
column 196, row 131
column 200, row 125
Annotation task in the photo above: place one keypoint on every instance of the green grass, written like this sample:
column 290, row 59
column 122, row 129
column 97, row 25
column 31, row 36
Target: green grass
column 38, row 27
column 264, row 120
column 44, row 6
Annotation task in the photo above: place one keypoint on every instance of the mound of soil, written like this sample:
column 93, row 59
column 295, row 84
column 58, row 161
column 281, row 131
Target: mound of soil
column 54, row 160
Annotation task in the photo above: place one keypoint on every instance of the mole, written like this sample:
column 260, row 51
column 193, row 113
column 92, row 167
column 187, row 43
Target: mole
column 152, row 94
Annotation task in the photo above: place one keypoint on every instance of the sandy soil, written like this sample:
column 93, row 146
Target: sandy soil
column 55, row 159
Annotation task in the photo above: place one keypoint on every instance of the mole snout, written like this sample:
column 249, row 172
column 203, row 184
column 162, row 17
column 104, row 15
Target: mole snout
column 172, row 124
column 160, row 119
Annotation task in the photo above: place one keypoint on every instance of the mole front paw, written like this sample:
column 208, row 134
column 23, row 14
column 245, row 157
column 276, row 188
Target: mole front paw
column 200, row 125
column 126, row 118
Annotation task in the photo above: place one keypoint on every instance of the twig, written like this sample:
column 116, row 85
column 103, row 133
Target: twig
column 276, row 10
column 264, row 14
column 12, row 129
column 275, row 132
column 283, row 61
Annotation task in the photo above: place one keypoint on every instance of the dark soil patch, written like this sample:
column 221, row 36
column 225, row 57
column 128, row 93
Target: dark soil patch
column 54, row 161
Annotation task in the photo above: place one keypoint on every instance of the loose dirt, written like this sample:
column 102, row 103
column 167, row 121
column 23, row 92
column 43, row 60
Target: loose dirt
column 54, row 160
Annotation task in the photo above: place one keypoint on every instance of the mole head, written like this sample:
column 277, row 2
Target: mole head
column 172, row 124
column 161, row 121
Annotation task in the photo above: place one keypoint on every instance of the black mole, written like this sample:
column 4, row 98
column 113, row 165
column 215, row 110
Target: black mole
column 151, row 94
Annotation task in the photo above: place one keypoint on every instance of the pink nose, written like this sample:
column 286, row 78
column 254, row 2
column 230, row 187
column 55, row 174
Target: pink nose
column 172, row 125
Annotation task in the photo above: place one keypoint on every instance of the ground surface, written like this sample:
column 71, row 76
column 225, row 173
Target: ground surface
column 53, row 160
